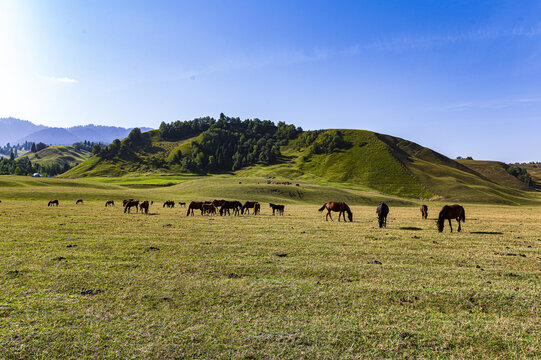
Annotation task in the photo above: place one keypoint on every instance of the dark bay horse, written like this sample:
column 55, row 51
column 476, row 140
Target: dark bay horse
column 382, row 211
column 144, row 205
column 424, row 212
column 218, row 203
column 126, row 201
column 247, row 205
column 169, row 204
column 195, row 205
column 230, row 205
column 53, row 202
column 109, row 202
column 183, row 204
column 209, row 209
column 449, row 212
column 341, row 207
column 257, row 208
column 130, row 204
column 279, row 208
column 80, row 201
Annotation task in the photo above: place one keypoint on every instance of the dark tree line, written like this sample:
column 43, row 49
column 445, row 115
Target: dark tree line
column 228, row 143
column 521, row 174
column 322, row 141
column 136, row 141
column 23, row 166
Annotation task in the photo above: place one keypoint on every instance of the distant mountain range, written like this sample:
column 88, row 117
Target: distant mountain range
column 15, row 131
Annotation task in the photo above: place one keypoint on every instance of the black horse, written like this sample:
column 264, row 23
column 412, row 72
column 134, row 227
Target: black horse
column 451, row 212
column 230, row 205
column 169, row 204
column 382, row 211
column 279, row 208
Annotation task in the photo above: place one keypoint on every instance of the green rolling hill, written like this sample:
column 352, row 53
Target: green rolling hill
column 58, row 154
column 358, row 160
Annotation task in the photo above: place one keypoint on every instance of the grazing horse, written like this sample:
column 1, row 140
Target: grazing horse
column 218, row 203
column 169, row 204
column 424, row 212
column 144, row 205
column 52, row 202
column 247, row 205
column 279, row 208
column 80, row 201
column 183, row 204
column 126, row 201
column 341, row 207
column 234, row 205
column 109, row 202
column 451, row 212
column 382, row 211
column 195, row 205
column 257, row 208
column 130, row 204
column 209, row 209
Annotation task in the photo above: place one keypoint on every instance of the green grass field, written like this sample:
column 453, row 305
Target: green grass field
column 85, row 281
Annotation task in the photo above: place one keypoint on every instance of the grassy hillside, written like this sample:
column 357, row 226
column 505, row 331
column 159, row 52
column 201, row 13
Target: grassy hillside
column 59, row 154
column 370, row 162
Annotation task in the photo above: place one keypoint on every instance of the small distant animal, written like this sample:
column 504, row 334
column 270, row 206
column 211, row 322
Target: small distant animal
column 449, row 212
column 144, row 205
column 279, row 208
column 424, row 212
column 195, row 205
column 109, row 203
column 80, row 201
column 209, row 209
column 183, row 204
column 130, row 204
column 169, row 204
column 53, row 202
column 257, row 208
column 382, row 211
column 341, row 207
column 236, row 206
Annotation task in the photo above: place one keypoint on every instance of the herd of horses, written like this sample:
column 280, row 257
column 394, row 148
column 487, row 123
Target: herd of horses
column 448, row 212
column 225, row 207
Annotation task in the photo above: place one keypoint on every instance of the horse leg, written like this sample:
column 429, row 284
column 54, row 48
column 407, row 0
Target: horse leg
column 458, row 225
column 450, row 225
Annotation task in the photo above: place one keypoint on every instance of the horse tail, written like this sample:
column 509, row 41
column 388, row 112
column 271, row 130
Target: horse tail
column 463, row 215
column 323, row 207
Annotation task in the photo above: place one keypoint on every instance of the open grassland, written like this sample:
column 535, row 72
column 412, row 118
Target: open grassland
column 85, row 281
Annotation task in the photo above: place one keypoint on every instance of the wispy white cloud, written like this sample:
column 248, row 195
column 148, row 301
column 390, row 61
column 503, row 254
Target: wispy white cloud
column 66, row 80
column 486, row 105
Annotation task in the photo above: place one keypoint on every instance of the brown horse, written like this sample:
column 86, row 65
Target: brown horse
column 109, row 202
column 382, row 211
column 424, row 212
column 183, row 204
column 449, row 212
column 130, row 204
column 209, row 209
column 52, row 202
column 218, row 203
column 195, row 205
column 257, row 208
column 80, row 201
column 126, row 201
column 144, row 205
column 341, row 207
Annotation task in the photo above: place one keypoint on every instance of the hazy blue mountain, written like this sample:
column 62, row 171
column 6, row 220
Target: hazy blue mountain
column 12, row 129
column 18, row 131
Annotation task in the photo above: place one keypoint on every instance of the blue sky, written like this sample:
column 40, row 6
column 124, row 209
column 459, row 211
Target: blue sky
column 461, row 77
